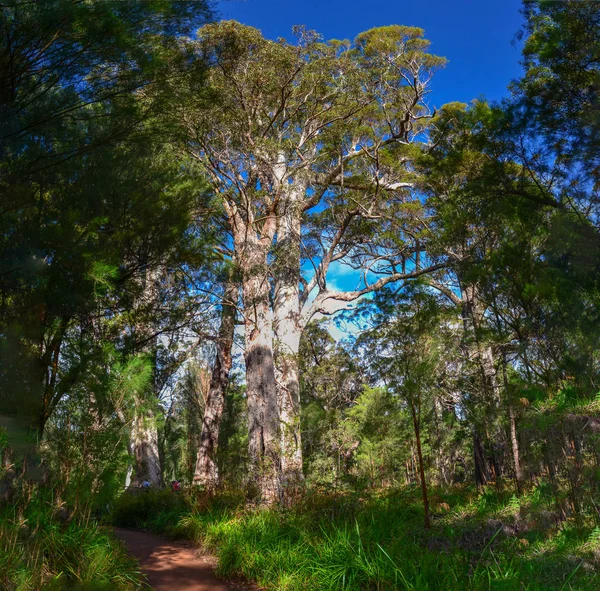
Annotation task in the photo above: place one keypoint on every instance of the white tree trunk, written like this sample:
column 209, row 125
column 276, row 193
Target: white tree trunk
column 144, row 446
column 261, row 391
column 512, row 423
column 286, row 309
column 144, row 431
column 206, row 472
column 514, row 444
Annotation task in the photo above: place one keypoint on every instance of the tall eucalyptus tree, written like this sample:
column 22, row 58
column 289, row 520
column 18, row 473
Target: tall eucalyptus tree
column 308, row 145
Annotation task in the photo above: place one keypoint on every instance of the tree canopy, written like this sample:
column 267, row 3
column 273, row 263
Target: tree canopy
column 191, row 214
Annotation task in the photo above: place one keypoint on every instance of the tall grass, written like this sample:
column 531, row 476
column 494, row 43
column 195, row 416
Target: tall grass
column 352, row 543
column 39, row 551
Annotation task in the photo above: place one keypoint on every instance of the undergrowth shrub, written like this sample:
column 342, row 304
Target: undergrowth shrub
column 38, row 550
column 359, row 542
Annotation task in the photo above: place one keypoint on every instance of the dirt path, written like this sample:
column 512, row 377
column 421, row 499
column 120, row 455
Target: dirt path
column 170, row 565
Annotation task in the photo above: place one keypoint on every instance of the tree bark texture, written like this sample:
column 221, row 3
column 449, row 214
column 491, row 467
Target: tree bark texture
column 288, row 329
column 481, row 471
column 472, row 315
column 144, row 447
column 144, row 433
column 417, row 428
column 206, row 471
column 261, row 391
column 512, row 422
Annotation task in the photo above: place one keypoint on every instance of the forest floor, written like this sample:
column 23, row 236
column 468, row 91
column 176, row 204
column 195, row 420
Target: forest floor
column 172, row 565
column 489, row 540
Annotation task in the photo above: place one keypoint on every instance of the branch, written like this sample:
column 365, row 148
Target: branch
column 456, row 300
column 319, row 277
column 330, row 302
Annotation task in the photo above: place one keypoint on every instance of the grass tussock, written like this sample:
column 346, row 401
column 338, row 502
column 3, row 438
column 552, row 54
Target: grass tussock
column 40, row 549
column 490, row 541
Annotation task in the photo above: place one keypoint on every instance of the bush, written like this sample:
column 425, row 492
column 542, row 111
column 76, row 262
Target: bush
column 40, row 551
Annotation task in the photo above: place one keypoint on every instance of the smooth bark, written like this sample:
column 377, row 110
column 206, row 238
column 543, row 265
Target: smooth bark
column 288, row 329
column 144, row 448
column 144, row 433
column 292, row 127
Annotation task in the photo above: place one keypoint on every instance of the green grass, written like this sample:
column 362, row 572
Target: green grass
column 491, row 541
column 38, row 551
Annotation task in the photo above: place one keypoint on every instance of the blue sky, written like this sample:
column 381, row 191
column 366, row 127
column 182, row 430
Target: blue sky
column 474, row 35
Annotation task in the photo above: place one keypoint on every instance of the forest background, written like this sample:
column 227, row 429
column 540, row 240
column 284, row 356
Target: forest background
column 185, row 204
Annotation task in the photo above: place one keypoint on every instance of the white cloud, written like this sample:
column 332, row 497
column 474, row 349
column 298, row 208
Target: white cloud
column 342, row 277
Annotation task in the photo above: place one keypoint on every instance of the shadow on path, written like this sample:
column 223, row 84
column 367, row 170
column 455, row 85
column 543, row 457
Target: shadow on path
column 169, row 565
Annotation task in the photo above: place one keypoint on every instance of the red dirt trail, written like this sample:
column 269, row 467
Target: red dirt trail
column 169, row 565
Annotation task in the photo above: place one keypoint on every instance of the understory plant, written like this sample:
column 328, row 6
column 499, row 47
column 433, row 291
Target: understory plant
column 479, row 540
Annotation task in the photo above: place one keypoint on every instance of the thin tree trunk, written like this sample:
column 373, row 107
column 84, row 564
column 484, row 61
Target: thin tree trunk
column 472, row 315
column 206, row 472
column 50, row 364
column 417, row 427
column 441, row 458
column 514, row 443
column 286, row 309
column 481, row 473
column 514, row 440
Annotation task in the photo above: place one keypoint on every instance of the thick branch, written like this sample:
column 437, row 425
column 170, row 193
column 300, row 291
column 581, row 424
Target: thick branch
column 330, row 302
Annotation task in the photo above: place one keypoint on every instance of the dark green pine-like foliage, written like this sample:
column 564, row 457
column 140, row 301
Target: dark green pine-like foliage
column 92, row 201
column 88, row 194
column 560, row 91
column 450, row 441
